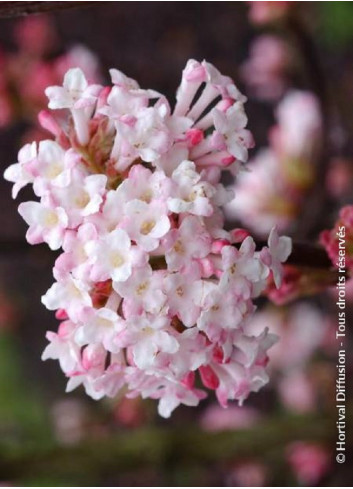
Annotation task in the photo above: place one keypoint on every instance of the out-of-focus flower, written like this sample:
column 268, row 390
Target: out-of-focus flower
column 272, row 191
column 151, row 291
column 217, row 419
column 297, row 392
column 309, row 462
column 339, row 178
column 261, row 13
column 35, row 35
column 69, row 419
column 338, row 241
column 130, row 413
column 247, row 474
column 297, row 134
column 302, row 329
column 265, row 71
column 26, row 73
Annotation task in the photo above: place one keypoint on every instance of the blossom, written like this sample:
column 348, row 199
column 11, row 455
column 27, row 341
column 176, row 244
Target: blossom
column 78, row 96
column 265, row 12
column 62, row 347
column 69, row 294
column 146, row 223
column 191, row 194
column 265, row 71
column 111, row 256
column 230, row 132
column 74, row 94
column 185, row 251
column 153, row 292
column 278, row 251
column 20, row 173
column 46, row 223
column 52, row 167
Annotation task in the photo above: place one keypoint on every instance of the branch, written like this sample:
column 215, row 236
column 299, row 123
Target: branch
column 160, row 447
column 17, row 9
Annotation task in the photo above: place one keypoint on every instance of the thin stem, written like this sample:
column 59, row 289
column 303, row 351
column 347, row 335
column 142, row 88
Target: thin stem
column 18, row 9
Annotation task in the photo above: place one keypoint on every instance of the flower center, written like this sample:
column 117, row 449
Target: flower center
column 104, row 323
column 147, row 227
column 116, row 260
column 53, row 170
column 178, row 247
column 82, row 200
column 180, row 291
column 146, row 196
column 51, row 219
column 141, row 288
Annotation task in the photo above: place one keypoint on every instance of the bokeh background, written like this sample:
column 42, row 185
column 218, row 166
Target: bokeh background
column 286, row 434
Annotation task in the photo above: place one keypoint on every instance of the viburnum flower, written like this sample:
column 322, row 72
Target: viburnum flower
column 153, row 295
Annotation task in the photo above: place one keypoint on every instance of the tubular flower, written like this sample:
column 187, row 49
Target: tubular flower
column 150, row 288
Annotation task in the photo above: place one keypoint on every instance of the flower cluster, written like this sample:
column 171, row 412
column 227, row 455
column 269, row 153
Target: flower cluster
column 152, row 292
column 271, row 193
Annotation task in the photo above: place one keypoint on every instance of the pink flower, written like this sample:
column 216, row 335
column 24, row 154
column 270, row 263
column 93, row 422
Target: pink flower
column 35, row 35
column 70, row 294
column 309, row 462
column 217, row 419
column 279, row 248
column 78, row 96
column 231, row 134
column 142, row 292
column 111, row 256
column 265, row 70
column 185, row 251
column 249, row 473
column 62, row 347
column 297, row 392
column 190, row 194
column 267, row 12
column 291, row 137
column 46, row 223
column 146, row 223
column 20, row 173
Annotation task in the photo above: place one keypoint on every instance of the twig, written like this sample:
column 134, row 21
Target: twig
column 161, row 448
column 18, row 9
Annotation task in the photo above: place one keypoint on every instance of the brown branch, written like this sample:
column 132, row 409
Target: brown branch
column 160, row 448
column 18, row 9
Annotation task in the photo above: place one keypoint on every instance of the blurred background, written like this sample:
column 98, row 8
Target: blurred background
column 294, row 63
